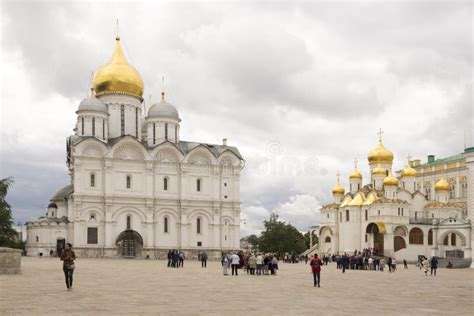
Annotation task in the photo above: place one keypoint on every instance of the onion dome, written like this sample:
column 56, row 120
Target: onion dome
column 382, row 153
column 355, row 175
column 91, row 103
column 442, row 185
column 338, row 189
column 390, row 180
column 163, row 109
column 408, row 172
column 378, row 171
column 118, row 76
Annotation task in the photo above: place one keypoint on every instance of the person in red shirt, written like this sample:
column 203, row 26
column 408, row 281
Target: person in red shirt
column 316, row 264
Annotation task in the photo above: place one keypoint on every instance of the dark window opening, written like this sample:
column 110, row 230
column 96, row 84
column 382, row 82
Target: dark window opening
column 92, row 234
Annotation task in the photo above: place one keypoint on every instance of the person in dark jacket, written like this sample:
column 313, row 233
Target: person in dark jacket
column 169, row 258
column 434, row 265
column 204, row 260
column 67, row 257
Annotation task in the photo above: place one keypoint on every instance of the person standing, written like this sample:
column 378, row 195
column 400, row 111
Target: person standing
column 204, row 260
column 405, row 264
column 274, row 264
column 434, row 265
column 259, row 264
column 344, row 262
column 225, row 263
column 169, row 258
column 389, row 263
column 316, row 264
column 235, row 261
column 426, row 266
column 181, row 259
column 394, row 264
column 68, row 257
column 252, row 264
column 382, row 264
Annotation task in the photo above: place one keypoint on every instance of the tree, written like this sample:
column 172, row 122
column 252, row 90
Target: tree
column 7, row 233
column 280, row 237
column 253, row 240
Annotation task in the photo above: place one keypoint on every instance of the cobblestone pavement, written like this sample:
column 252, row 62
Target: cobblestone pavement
column 112, row 286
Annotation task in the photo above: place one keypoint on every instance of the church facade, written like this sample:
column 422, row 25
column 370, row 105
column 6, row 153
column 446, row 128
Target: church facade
column 136, row 187
column 427, row 209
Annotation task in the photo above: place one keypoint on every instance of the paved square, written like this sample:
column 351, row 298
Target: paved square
column 108, row 286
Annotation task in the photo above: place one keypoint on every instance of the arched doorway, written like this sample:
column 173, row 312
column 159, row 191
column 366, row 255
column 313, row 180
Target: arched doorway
column 129, row 244
column 376, row 230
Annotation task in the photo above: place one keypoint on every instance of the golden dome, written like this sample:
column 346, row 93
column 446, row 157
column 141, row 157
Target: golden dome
column 390, row 180
column 408, row 172
column 378, row 170
column 355, row 175
column 338, row 189
column 118, row 76
column 380, row 154
column 442, row 185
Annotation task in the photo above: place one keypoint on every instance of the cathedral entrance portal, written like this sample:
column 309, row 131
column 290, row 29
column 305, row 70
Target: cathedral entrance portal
column 377, row 230
column 129, row 244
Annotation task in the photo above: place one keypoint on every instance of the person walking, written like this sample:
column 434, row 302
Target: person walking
column 405, row 264
column 426, row 266
column 181, row 259
column 389, row 263
column 434, row 265
column 225, row 263
column 344, row 262
column 204, row 260
column 315, row 265
column 68, row 257
column 235, row 261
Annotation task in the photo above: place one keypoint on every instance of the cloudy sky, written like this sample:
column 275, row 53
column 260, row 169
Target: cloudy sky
column 300, row 88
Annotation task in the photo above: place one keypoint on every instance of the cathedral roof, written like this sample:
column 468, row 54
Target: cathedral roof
column 163, row 109
column 91, row 103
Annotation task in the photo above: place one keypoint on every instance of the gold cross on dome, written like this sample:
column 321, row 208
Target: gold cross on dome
column 337, row 176
column 355, row 163
column 380, row 132
column 409, row 157
column 117, row 37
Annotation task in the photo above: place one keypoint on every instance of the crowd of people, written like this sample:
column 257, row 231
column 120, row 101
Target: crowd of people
column 251, row 263
column 175, row 259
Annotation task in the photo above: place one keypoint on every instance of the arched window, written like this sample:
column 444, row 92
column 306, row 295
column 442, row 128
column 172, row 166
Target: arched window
column 198, row 225
column 82, row 125
column 430, row 237
column 176, row 133
column 103, row 129
column 129, row 222
column 416, row 215
column 328, row 239
column 446, row 240
column 198, row 185
column 366, row 215
column 416, row 236
column 93, row 126
column 165, row 183
column 37, row 239
column 378, row 212
column 165, row 225
column 129, row 181
column 347, row 215
column 136, row 122
column 92, row 180
column 453, row 239
column 398, row 243
column 166, row 131
column 154, row 133
column 340, row 217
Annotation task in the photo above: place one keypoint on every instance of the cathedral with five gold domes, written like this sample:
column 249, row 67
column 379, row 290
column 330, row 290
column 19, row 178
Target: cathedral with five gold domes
column 422, row 210
column 136, row 188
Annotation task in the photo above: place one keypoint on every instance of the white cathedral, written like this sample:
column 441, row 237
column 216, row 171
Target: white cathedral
column 426, row 211
column 136, row 187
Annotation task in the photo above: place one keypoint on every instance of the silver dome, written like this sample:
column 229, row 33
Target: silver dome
column 92, row 104
column 163, row 109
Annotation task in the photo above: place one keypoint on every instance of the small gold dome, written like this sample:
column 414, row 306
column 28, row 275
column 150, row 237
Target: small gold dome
column 355, row 175
column 378, row 171
column 118, row 76
column 390, row 180
column 442, row 185
column 338, row 189
column 408, row 172
column 380, row 154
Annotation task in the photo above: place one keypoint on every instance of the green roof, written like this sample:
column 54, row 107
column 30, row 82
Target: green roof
column 442, row 160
